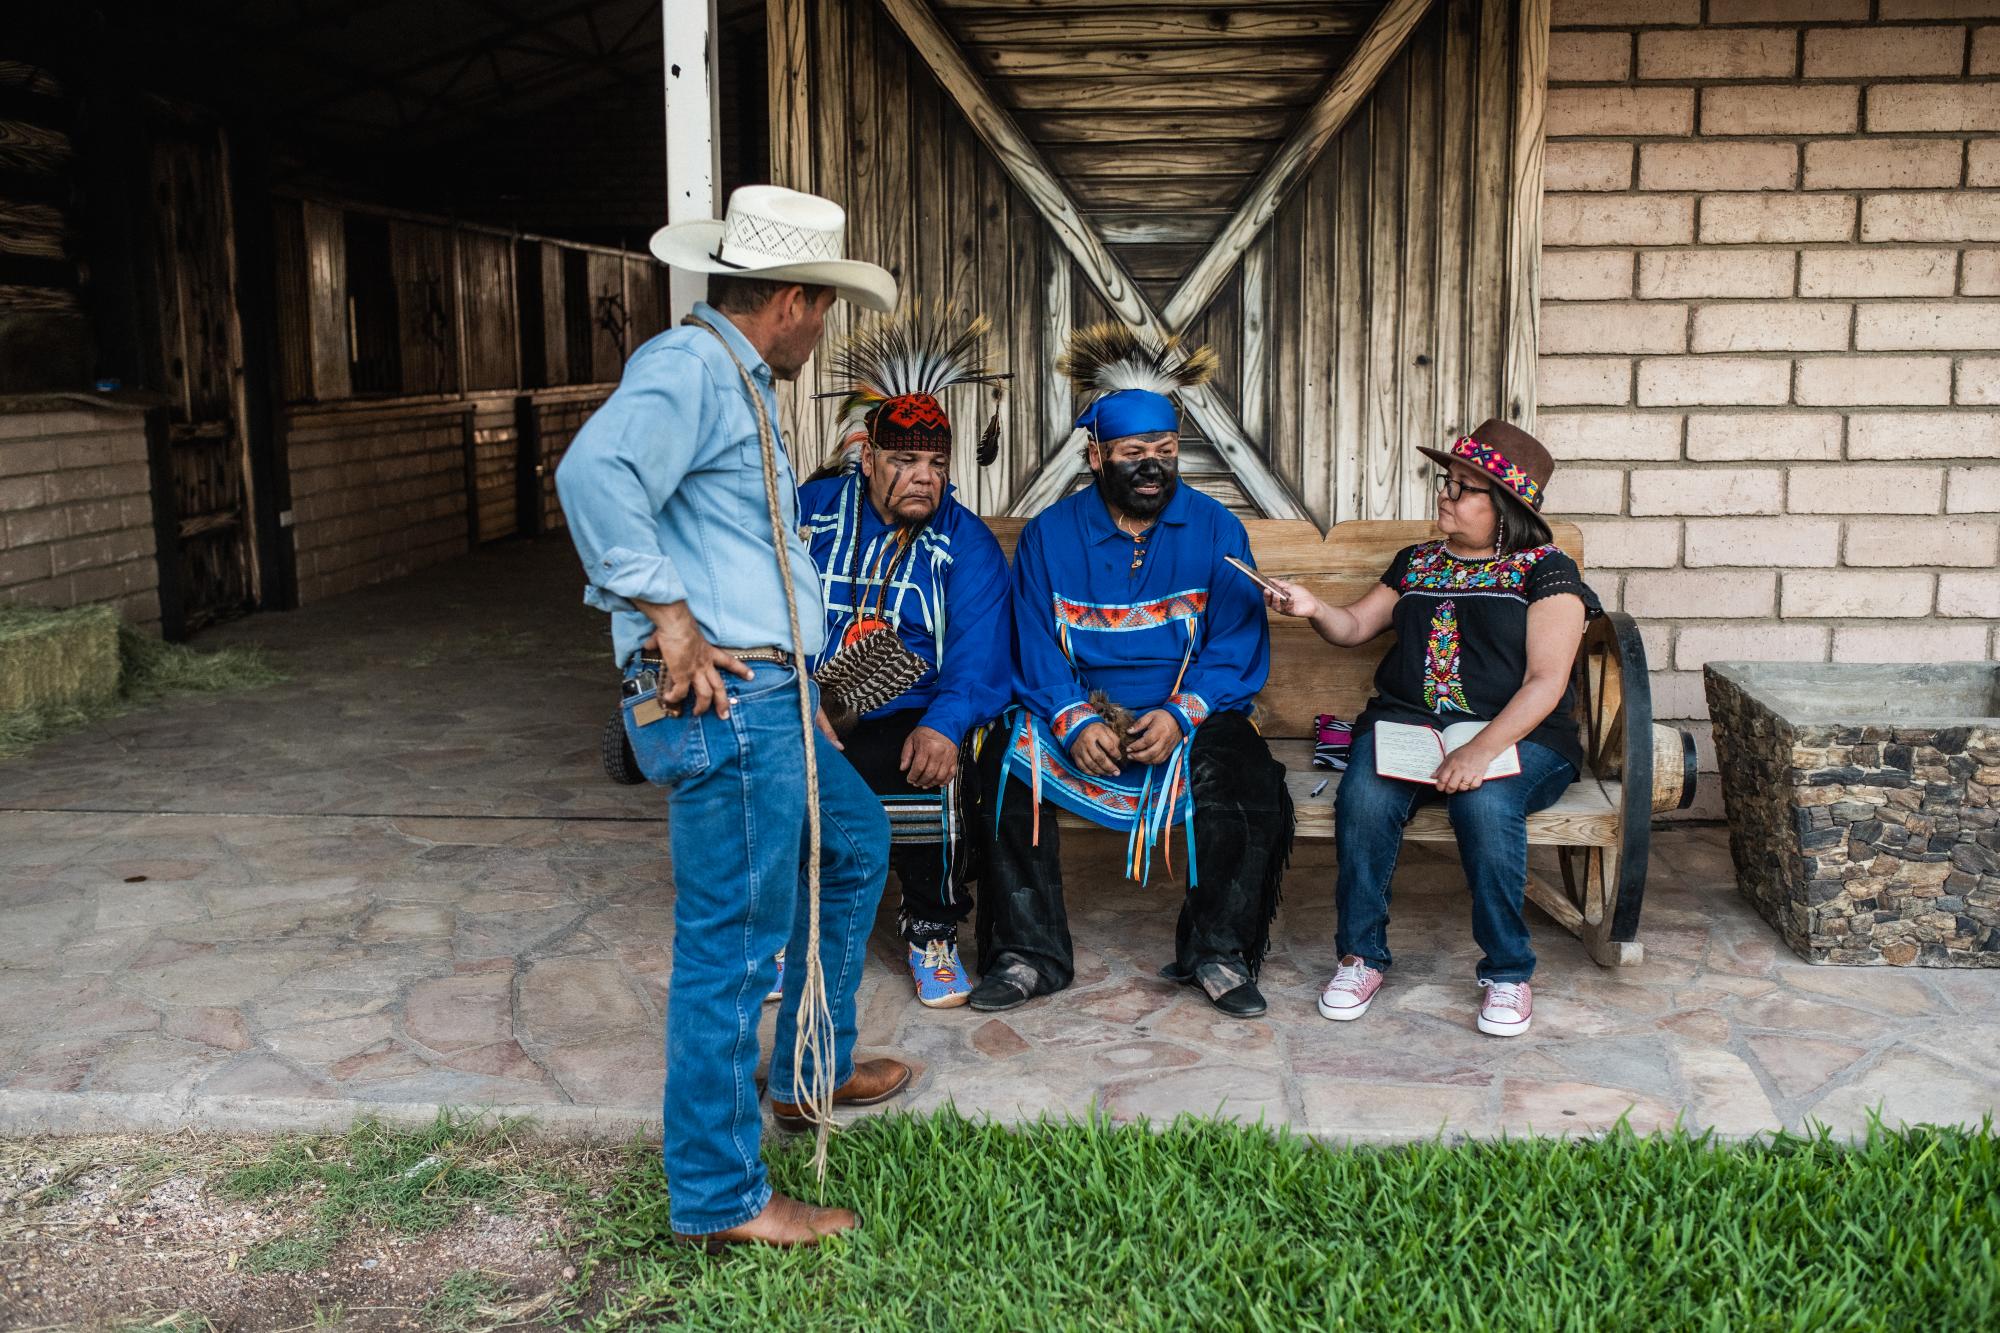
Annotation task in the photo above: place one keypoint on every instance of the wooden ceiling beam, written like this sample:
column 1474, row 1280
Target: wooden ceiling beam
column 1350, row 87
column 1212, row 157
column 1153, row 62
column 1024, row 164
column 638, row 25
column 1049, row 7
column 393, row 80
column 1019, row 158
column 569, row 49
column 1136, row 91
column 1152, row 25
column 1057, row 128
column 444, row 90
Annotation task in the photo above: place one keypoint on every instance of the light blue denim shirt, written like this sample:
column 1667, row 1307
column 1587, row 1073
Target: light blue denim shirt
column 663, row 488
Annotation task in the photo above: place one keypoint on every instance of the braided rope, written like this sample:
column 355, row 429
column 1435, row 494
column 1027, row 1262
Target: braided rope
column 815, row 1013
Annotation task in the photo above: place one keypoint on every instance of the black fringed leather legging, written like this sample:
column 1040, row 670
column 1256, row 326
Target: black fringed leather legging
column 1243, row 824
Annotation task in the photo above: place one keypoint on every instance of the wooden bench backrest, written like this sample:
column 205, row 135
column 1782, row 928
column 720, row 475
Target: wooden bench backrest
column 1308, row 675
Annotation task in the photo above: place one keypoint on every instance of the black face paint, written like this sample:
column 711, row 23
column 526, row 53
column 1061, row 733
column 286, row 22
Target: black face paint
column 1117, row 482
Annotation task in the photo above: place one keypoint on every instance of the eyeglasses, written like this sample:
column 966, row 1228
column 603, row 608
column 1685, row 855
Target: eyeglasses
column 1451, row 488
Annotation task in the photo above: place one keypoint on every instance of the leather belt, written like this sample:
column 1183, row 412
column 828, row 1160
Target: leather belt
column 775, row 656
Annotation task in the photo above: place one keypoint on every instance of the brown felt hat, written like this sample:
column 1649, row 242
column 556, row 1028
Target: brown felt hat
column 1507, row 453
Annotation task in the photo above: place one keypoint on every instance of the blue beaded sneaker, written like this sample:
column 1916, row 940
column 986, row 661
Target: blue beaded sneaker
column 778, row 986
column 941, row 982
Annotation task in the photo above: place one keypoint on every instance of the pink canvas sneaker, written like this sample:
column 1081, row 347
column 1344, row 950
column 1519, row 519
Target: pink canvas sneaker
column 1351, row 991
column 1506, row 1009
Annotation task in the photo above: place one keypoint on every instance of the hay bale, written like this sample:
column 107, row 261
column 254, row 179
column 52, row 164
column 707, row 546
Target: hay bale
column 57, row 659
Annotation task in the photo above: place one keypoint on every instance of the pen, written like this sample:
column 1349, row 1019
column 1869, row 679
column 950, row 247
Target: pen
column 1322, row 787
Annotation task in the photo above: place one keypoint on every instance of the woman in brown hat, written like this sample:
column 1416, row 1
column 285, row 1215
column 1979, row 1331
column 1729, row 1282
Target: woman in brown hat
column 1471, row 707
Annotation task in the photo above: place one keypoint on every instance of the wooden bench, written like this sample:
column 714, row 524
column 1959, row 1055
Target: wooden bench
column 1601, row 828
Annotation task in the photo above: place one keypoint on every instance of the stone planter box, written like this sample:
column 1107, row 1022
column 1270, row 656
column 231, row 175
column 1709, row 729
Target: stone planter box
column 1862, row 806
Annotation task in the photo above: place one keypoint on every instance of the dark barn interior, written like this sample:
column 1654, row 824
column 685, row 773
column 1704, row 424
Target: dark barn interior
column 297, row 297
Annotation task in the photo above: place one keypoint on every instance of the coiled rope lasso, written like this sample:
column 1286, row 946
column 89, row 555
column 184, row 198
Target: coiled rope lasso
column 815, row 1021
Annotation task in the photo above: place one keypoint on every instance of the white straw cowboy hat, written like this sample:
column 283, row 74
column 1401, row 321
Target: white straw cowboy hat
column 777, row 235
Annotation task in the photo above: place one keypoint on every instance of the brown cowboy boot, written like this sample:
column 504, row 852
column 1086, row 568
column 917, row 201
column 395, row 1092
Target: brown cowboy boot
column 873, row 1081
column 785, row 1222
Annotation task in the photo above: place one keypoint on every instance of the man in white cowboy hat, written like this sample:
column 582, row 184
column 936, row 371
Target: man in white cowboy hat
column 679, row 497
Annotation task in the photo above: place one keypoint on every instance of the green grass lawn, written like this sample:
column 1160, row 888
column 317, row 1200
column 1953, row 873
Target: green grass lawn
column 1205, row 1226
column 970, row 1226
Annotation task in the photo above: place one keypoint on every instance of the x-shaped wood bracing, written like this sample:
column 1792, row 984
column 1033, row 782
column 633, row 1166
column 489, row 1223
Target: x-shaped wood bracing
column 1024, row 164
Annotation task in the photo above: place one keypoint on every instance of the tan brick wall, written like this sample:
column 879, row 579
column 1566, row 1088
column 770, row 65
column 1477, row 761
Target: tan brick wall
column 1771, row 326
column 76, row 516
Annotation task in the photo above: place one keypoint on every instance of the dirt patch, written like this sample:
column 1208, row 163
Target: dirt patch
column 129, row 1233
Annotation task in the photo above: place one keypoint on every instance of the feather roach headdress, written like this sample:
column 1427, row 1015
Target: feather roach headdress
column 1110, row 357
column 1134, row 386
column 898, row 369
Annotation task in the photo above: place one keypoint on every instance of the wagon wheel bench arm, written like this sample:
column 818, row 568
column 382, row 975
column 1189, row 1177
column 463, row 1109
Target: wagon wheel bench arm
column 1653, row 764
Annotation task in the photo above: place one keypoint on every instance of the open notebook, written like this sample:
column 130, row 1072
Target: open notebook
column 1414, row 754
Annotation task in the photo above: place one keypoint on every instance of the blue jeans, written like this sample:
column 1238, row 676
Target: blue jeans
column 1491, row 822
column 737, row 821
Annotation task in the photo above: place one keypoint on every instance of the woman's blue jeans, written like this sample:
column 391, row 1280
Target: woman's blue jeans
column 1491, row 823
column 737, row 821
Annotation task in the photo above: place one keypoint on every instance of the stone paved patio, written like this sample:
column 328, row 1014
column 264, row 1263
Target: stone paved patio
column 399, row 882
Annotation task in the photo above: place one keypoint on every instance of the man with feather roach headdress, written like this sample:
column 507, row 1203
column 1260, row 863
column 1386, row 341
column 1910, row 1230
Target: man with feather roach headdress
column 1138, row 654
column 917, row 630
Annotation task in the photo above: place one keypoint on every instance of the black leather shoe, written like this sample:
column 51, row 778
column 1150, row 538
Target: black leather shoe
column 1225, row 985
column 996, row 993
column 1009, row 986
column 1246, row 1001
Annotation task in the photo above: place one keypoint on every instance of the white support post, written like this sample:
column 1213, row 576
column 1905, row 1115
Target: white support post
column 694, row 140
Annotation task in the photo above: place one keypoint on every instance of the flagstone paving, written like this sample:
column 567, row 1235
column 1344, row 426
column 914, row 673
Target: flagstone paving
column 399, row 882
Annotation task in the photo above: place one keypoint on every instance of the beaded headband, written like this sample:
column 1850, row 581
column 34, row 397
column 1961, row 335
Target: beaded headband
column 910, row 421
column 1492, row 461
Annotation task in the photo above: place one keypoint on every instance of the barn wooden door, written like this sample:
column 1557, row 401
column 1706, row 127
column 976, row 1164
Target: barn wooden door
column 202, row 481
column 1342, row 198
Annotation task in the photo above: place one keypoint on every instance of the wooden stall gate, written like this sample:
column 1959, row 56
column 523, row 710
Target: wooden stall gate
column 1342, row 198
column 431, row 374
column 203, row 510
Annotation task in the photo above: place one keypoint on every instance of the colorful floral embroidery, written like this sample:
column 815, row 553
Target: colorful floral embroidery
column 1433, row 569
column 1443, row 691
column 1492, row 461
column 1180, row 606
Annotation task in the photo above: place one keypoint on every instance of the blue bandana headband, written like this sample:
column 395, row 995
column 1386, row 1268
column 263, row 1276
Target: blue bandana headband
column 1129, row 412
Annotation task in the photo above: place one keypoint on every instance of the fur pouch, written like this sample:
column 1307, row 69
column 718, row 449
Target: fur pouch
column 1117, row 717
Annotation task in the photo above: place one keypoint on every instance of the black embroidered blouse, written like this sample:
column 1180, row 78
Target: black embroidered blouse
column 1461, row 650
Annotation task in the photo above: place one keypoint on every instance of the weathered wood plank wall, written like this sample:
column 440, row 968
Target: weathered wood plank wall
column 926, row 200
column 45, row 342
column 503, row 346
column 1374, row 310
column 1388, row 318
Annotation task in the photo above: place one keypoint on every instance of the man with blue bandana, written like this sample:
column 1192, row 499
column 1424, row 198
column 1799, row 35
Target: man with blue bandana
column 1138, row 655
